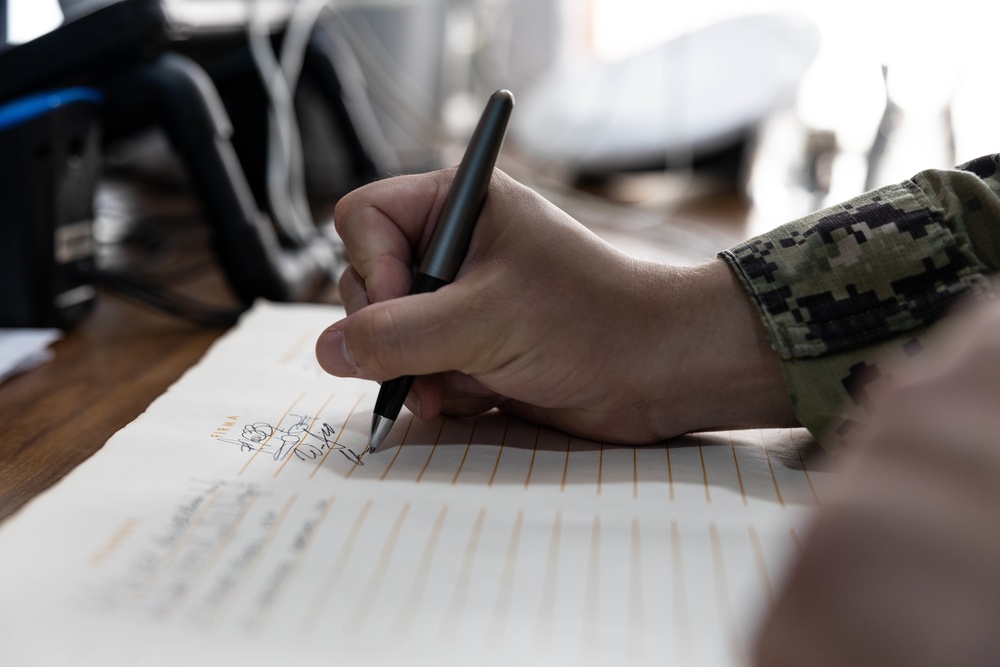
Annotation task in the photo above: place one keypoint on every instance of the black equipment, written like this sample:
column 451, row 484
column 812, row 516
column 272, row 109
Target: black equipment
column 205, row 92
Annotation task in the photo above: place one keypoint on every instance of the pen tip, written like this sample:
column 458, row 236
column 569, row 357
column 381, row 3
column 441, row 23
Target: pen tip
column 376, row 420
column 380, row 429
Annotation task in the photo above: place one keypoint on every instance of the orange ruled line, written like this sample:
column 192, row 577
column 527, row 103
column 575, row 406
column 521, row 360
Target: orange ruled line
column 205, row 509
column 636, row 617
column 501, row 608
column 670, row 474
column 591, row 600
column 795, row 538
column 635, row 473
column 682, row 619
column 326, row 589
column 395, row 456
column 400, row 628
column 547, row 607
column 311, row 425
column 247, row 574
column 343, row 427
column 264, row 614
column 531, row 465
column 433, row 449
column 562, row 487
column 774, row 479
column 704, row 472
column 268, row 439
column 600, row 468
column 758, row 553
column 739, row 475
column 355, row 467
column 294, row 349
column 463, row 582
column 357, row 618
column 461, row 464
column 805, row 471
column 496, row 465
column 179, row 544
column 217, row 551
column 723, row 598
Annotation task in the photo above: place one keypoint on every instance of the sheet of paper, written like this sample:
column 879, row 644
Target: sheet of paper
column 23, row 349
column 230, row 524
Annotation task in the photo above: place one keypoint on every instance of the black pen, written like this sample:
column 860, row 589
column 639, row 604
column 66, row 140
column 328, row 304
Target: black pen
column 450, row 241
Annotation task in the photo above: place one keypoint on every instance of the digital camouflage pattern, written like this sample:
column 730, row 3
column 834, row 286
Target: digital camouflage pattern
column 848, row 290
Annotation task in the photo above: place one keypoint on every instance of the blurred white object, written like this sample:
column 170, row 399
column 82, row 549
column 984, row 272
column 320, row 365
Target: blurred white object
column 696, row 93
column 816, row 152
column 28, row 19
column 24, row 349
column 973, row 113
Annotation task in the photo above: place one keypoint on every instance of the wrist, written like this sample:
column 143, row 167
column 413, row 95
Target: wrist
column 725, row 374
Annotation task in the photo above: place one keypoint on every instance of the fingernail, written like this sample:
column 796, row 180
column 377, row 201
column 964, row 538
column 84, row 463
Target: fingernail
column 331, row 353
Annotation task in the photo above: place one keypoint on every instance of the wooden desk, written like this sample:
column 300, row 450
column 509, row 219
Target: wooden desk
column 105, row 373
column 108, row 369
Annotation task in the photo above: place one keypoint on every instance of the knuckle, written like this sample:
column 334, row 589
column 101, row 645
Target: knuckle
column 342, row 211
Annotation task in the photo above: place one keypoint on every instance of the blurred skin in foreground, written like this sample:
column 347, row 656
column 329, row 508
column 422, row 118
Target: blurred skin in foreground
column 903, row 565
column 548, row 323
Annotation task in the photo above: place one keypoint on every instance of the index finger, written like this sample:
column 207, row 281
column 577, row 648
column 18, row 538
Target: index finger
column 382, row 224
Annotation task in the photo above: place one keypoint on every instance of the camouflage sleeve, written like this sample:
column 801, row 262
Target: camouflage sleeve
column 844, row 291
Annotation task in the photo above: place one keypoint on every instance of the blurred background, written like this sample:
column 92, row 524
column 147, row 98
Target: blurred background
column 673, row 129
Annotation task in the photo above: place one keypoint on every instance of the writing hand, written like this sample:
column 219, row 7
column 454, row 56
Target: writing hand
column 546, row 321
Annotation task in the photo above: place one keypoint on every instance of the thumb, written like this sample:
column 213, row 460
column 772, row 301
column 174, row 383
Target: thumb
column 418, row 334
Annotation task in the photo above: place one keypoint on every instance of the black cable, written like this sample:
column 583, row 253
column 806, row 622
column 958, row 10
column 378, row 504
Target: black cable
column 147, row 293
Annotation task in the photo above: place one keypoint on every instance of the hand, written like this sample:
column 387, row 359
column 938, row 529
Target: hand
column 546, row 321
column 903, row 564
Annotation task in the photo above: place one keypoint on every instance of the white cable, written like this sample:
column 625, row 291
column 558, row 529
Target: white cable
column 395, row 94
column 293, row 49
column 285, row 182
column 304, row 17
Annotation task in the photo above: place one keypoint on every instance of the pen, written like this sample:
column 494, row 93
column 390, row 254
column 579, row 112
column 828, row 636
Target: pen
column 449, row 242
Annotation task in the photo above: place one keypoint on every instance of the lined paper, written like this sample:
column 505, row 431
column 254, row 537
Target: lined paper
column 238, row 520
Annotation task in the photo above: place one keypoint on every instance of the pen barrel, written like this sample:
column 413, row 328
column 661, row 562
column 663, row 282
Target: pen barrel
column 450, row 240
column 423, row 283
column 392, row 395
column 449, row 243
